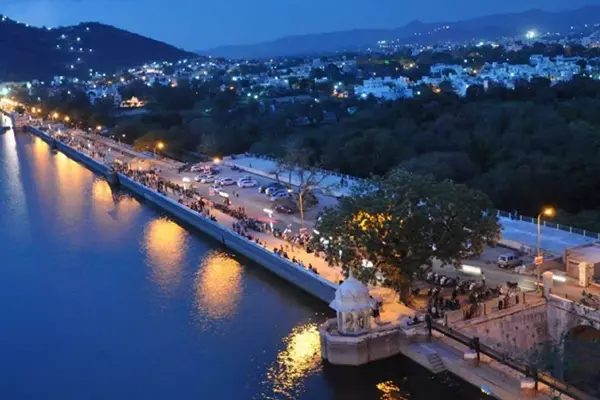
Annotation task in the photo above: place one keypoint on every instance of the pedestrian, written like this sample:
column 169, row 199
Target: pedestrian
column 483, row 279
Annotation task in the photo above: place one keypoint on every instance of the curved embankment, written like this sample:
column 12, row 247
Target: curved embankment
column 291, row 272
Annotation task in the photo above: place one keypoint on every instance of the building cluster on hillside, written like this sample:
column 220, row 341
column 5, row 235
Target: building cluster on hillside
column 461, row 78
column 306, row 79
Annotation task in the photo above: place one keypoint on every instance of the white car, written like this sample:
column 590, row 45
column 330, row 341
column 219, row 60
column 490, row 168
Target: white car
column 226, row 182
column 246, row 183
column 280, row 195
column 207, row 179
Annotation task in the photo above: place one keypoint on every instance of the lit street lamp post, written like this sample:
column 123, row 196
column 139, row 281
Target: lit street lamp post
column 159, row 146
column 547, row 212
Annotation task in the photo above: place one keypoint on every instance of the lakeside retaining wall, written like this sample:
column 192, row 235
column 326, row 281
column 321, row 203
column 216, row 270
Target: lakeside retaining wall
column 293, row 273
column 78, row 156
column 314, row 284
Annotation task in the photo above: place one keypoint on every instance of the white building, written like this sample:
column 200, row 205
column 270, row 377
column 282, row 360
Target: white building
column 384, row 88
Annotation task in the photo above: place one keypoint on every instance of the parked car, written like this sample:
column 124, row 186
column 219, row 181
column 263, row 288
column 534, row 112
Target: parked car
column 226, row 182
column 198, row 178
column 280, row 195
column 508, row 260
column 284, row 209
column 207, row 179
column 264, row 188
column 273, row 189
column 245, row 183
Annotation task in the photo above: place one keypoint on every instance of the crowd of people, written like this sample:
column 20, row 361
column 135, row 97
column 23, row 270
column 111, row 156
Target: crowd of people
column 243, row 225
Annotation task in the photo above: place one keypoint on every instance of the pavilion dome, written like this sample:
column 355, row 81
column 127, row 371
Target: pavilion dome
column 351, row 295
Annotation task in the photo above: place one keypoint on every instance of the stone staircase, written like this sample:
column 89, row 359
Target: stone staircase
column 437, row 365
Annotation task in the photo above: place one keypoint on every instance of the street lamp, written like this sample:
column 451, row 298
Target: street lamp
column 548, row 212
column 67, row 118
column 55, row 115
column 158, row 146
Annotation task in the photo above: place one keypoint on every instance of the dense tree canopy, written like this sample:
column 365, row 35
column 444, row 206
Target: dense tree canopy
column 397, row 225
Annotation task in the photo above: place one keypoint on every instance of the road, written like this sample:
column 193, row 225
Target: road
column 254, row 202
column 553, row 240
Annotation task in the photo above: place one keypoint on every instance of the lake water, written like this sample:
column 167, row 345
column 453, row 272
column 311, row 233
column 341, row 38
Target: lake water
column 103, row 297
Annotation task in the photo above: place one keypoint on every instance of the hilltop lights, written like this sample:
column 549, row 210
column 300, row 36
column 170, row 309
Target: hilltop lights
column 531, row 34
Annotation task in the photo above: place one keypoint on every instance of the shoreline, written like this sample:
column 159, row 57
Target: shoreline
column 311, row 283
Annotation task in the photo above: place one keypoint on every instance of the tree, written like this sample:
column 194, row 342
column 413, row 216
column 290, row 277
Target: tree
column 298, row 168
column 392, row 228
column 149, row 141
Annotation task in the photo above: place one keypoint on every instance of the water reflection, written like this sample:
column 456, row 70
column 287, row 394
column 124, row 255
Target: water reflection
column 41, row 161
column 164, row 242
column 102, row 192
column 71, row 180
column 110, row 206
column 218, row 285
column 300, row 358
column 14, row 205
column 390, row 391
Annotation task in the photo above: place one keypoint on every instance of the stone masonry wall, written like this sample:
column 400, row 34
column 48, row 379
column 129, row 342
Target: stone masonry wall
column 516, row 331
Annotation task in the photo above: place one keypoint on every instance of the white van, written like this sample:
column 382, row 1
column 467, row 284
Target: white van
column 508, row 260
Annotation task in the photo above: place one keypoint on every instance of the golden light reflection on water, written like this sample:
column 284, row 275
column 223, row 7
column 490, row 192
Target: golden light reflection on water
column 109, row 207
column 71, row 182
column 164, row 242
column 41, row 160
column 218, row 285
column 300, row 358
column 390, row 391
column 102, row 192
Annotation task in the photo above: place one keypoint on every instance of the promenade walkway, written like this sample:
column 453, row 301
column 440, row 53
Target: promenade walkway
column 519, row 231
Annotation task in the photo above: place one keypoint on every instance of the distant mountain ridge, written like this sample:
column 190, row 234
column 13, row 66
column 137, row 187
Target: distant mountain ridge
column 487, row 27
column 39, row 53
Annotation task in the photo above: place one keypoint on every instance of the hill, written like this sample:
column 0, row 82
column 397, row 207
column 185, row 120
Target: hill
column 40, row 53
column 488, row 27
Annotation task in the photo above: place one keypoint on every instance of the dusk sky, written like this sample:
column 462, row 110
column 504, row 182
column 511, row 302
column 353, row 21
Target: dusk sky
column 202, row 24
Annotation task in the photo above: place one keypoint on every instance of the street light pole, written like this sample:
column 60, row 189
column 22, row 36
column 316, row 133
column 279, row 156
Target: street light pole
column 539, row 247
column 548, row 212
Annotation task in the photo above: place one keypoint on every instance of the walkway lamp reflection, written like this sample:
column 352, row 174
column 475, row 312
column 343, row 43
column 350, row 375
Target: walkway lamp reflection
column 270, row 214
